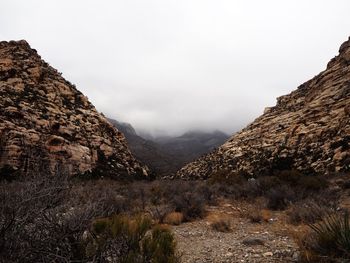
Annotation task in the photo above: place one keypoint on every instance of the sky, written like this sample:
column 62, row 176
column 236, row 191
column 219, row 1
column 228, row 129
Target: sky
column 168, row 66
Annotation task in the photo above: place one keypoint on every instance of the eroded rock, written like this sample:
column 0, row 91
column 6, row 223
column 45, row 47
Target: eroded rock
column 307, row 130
column 46, row 124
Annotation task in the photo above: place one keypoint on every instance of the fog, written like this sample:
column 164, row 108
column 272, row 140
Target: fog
column 167, row 66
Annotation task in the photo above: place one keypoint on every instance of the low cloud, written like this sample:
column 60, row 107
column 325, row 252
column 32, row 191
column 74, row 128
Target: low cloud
column 169, row 66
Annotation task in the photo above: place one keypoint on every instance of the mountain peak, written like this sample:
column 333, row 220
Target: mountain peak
column 46, row 124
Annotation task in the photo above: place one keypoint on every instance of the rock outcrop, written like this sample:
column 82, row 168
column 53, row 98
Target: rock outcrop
column 46, row 124
column 307, row 130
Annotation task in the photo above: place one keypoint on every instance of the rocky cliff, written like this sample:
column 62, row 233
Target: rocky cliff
column 46, row 124
column 308, row 130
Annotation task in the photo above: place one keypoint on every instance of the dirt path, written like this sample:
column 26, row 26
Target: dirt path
column 198, row 242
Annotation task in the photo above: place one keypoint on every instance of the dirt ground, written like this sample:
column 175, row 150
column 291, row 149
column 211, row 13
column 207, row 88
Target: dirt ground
column 268, row 241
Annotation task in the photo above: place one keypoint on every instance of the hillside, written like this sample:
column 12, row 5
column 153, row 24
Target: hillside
column 166, row 155
column 307, row 130
column 47, row 125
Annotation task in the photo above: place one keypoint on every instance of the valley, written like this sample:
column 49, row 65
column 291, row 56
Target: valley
column 78, row 187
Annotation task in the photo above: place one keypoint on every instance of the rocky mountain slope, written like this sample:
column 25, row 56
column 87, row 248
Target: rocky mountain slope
column 308, row 130
column 166, row 155
column 46, row 124
column 191, row 145
column 148, row 152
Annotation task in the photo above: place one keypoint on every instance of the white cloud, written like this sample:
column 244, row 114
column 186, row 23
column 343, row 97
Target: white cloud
column 174, row 65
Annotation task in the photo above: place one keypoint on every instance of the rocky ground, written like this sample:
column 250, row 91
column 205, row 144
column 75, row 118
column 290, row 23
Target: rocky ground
column 270, row 241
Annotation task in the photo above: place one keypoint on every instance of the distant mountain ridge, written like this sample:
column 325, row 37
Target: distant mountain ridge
column 165, row 155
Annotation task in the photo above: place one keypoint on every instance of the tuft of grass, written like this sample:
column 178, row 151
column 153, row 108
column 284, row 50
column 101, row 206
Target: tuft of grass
column 173, row 218
column 308, row 212
column 221, row 223
column 329, row 240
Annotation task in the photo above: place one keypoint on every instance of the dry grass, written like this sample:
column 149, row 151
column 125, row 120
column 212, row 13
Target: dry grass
column 220, row 222
column 174, row 218
column 257, row 215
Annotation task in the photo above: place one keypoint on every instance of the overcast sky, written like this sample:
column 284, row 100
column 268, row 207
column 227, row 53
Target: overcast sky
column 167, row 66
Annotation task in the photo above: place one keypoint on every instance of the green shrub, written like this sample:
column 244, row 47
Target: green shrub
column 137, row 241
column 160, row 246
column 330, row 239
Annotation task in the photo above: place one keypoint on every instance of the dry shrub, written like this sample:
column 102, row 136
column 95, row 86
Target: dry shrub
column 173, row 218
column 259, row 215
column 266, row 215
column 279, row 198
column 190, row 204
column 221, row 223
column 312, row 183
column 255, row 216
column 307, row 212
column 226, row 177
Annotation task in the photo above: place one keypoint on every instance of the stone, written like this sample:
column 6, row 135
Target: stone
column 300, row 132
column 47, row 125
column 253, row 241
column 268, row 254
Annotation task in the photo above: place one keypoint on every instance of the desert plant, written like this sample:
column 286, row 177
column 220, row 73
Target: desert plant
column 137, row 240
column 312, row 183
column 160, row 246
column 190, row 204
column 173, row 218
column 221, row 223
column 226, row 177
column 330, row 239
column 309, row 211
column 279, row 198
column 255, row 216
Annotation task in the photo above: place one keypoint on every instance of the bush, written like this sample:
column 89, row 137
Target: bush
column 329, row 240
column 309, row 211
column 290, row 176
column 255, row 216
column 258, row 216
column 312, row 183
column 160, row 246
column 268, row 182
column 132, row 243
column 279, row 198
column 173, row 218
column 190, row 204
column 221, row 224
column 226, row 177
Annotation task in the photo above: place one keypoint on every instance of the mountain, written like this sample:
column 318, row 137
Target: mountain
column 307, row 130
column 192, row 144
column 148, row 152
column 165, row 155
column 47, row 125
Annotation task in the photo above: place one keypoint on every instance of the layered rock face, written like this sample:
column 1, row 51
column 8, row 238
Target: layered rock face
column 308, row 130
column 46, row 124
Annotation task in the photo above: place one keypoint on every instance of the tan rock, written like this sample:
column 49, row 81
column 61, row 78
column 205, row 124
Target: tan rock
column 311, row 121
column 47, row 123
